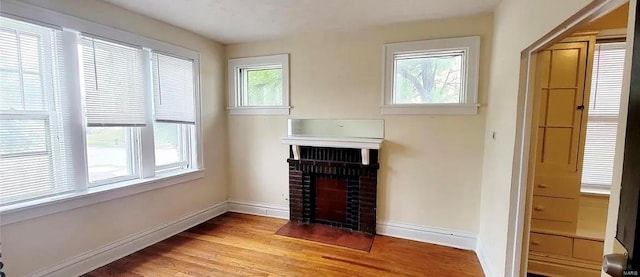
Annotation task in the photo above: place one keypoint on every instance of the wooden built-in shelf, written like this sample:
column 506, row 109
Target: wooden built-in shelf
column 592, row 219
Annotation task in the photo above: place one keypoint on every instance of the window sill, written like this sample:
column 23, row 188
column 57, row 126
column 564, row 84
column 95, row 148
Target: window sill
column 273, row 110
column 595, row 189
column 55, row 204
column 443, row 109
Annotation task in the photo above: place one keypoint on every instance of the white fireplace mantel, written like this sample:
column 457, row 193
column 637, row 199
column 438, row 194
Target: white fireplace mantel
column 364, row 144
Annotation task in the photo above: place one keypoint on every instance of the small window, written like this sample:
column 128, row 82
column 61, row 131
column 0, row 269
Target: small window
column 432, row 77
column 259, row 85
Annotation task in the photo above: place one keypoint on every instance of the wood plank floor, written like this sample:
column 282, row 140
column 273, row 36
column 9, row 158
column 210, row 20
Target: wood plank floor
column 245, row 245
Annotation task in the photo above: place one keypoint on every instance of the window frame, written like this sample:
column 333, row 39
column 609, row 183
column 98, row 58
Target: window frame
column 470, row 46
column 149, row 179
column 235, row 68
column 50, row 113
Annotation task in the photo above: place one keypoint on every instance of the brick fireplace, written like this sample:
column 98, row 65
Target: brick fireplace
column 334, row 186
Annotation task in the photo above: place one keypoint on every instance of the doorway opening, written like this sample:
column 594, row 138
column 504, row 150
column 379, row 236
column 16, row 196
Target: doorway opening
column 578, row 83
column 568, row 119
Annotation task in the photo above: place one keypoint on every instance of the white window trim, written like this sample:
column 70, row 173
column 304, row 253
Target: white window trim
column 233, row 72
column 88, row 196
column 471, row 46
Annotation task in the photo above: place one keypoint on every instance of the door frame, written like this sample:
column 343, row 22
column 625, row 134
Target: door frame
column 518, row 228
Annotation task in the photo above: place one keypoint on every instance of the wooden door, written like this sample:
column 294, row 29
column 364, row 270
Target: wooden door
column 628, row 231
column 563, row 69
column 560, row 126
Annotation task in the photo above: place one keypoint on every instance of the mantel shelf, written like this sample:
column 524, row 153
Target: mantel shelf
column 357, row 143
column 364, row 144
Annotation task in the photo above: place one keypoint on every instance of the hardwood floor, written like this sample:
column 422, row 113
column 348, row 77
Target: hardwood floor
column 245, row 245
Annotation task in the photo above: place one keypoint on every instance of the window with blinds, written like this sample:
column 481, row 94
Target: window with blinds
column 174, row 110
column 79, row 111
column 34, row 156
column 602, row 124
column 114, row 102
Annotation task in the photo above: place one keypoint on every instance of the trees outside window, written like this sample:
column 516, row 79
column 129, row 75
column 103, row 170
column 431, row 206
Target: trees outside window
column 437, row 76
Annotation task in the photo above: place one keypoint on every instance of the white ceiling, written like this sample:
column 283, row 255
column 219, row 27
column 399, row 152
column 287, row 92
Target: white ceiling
column 235, row 21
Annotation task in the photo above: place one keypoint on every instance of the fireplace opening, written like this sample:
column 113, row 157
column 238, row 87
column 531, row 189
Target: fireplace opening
column 331, row 199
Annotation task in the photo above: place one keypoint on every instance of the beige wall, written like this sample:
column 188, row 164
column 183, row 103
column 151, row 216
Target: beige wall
column 430, row 165
column 439, row 171
column 50, row 240
column 517, row 24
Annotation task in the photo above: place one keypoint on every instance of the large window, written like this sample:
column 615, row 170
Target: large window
column 33, row 160
column 431, row 77
column 173, row 90
column 259, row 85
column 602, row 123
column 115, row 105
column 79, row 111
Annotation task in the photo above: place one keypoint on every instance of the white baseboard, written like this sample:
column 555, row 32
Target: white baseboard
column 485, row 261
column 451, row 238
column 440, row 236
column 96, row 258
column 255, row 208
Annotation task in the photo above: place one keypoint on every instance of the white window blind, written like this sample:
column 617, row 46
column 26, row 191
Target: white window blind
column 75, row 111
column 173, row 89
column 604, row 106
column 113, row 83
column 34, row 153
